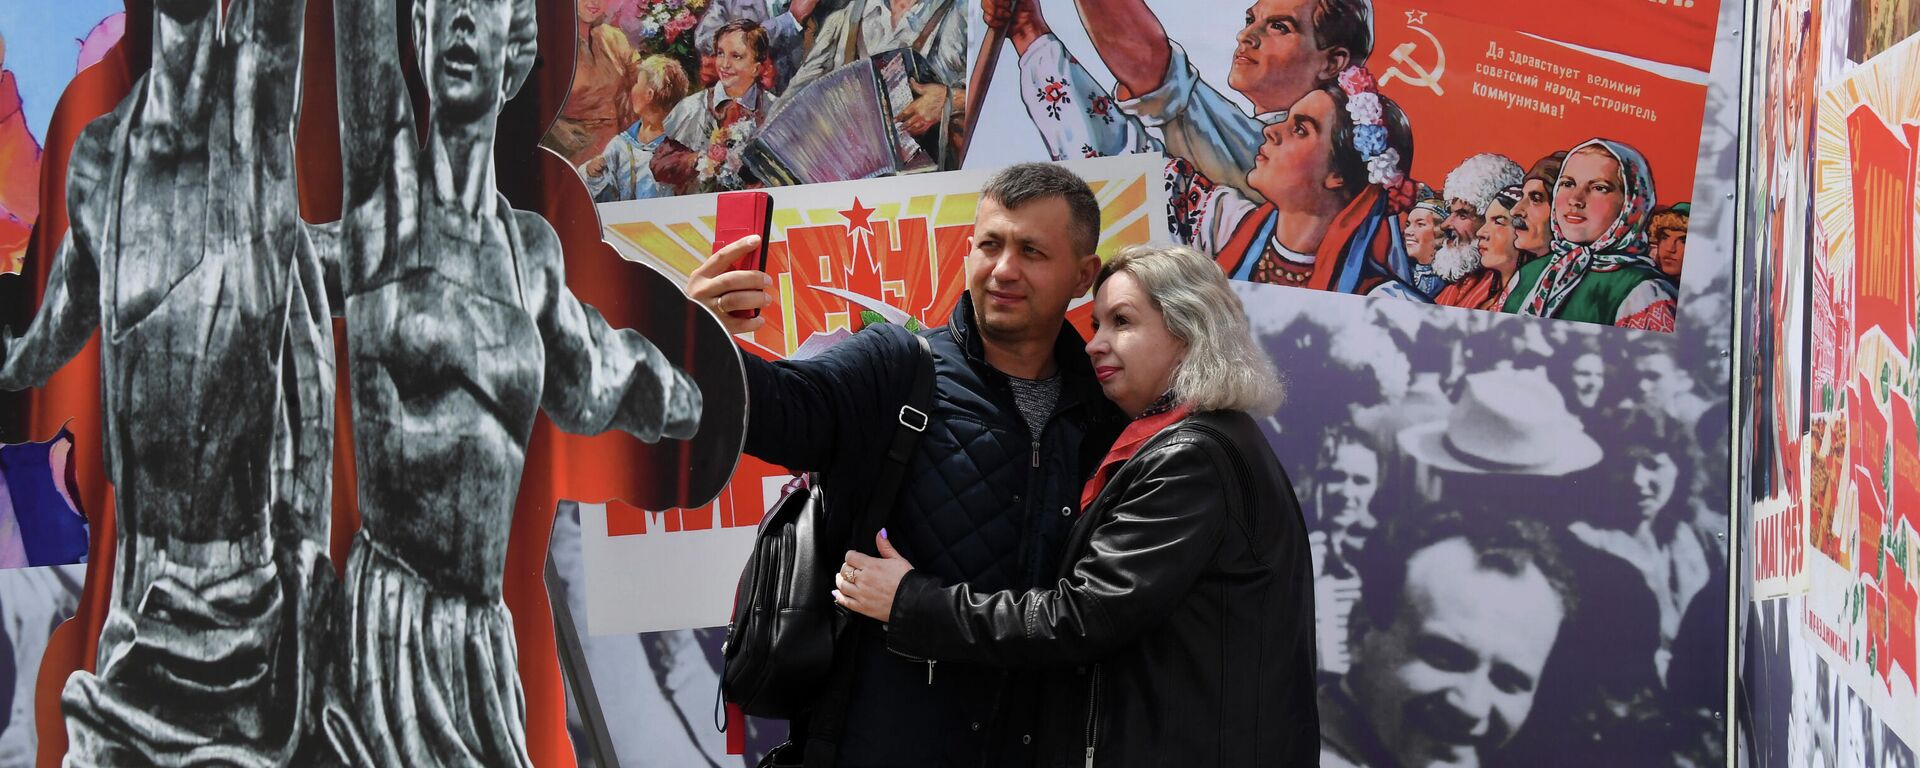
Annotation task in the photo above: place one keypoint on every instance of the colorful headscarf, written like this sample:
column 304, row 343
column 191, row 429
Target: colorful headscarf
column 1623, row 244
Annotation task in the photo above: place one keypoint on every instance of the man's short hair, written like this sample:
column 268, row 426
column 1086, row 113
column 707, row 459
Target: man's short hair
column 1346, row 24
column 1500, row 541
column 1017, row 185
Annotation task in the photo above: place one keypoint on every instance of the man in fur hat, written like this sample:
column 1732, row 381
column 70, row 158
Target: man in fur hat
column 1471, row 188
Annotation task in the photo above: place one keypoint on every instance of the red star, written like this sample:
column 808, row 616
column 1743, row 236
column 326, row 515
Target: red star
column 857, row 218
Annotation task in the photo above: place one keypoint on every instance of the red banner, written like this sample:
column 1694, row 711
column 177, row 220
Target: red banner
column 1683, row 29
column 1475, row 77
column 1882, row 164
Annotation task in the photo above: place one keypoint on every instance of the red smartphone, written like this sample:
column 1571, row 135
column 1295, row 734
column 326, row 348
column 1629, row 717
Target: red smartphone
column 737, row 215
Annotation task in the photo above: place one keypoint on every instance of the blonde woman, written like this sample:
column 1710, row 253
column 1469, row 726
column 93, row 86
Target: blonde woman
column 1179, row 629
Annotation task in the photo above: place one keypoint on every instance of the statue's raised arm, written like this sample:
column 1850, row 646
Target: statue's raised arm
column 378, row 143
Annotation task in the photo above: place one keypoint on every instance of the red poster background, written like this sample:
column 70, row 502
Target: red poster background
column 1678, row 32
column 1451, row 126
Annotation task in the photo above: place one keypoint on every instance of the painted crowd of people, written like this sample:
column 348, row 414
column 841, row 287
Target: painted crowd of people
column 640, row 122
column 1315, row 189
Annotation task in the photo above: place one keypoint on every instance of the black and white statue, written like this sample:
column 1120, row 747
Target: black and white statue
column 186, row 252
column 460, row 327
column 228, row 640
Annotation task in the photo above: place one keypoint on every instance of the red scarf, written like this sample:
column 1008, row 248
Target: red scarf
column 1134, row 436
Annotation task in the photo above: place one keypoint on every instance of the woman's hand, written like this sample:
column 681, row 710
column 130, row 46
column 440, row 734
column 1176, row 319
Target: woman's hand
column 866, row 584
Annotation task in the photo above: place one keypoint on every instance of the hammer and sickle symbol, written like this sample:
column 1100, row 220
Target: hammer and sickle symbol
column 1423, row 76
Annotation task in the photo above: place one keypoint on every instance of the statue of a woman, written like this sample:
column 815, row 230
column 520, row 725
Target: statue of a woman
column 460, row 327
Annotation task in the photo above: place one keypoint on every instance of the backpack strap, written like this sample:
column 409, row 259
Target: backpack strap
column 911, row 421
column 826, row 724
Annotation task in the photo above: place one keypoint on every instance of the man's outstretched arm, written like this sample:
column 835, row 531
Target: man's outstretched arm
column 1130, row 40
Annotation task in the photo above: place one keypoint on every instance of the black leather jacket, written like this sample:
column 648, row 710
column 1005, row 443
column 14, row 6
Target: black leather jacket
column 1180, row 630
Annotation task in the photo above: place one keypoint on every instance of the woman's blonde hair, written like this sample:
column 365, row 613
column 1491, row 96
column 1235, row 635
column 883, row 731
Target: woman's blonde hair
column 1224, row 369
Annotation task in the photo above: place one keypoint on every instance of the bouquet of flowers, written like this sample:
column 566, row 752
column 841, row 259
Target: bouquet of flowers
column 719, row 166
column 664, row 26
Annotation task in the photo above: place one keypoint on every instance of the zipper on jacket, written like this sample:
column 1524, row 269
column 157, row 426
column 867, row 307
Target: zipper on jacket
column 930, row 663
column 1036, row 454
column 1093, row 714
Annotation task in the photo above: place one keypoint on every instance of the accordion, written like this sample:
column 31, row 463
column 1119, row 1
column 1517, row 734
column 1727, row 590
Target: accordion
column 841, row 127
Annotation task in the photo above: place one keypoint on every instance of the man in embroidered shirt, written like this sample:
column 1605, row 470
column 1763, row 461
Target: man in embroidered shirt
column 1284, row 50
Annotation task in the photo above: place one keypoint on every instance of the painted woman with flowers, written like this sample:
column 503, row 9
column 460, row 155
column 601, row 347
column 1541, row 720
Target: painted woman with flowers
column 1334, row 174
column 1598, row 267
column 717, row 123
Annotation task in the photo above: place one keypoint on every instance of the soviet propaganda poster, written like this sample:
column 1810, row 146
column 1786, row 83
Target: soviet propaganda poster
column 1861, row 599
column 1389, row 105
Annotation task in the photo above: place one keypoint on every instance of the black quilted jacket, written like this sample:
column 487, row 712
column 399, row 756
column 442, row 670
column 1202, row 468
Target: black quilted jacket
column 982, row 503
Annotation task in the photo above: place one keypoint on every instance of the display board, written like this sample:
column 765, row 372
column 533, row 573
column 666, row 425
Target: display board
column 1361, row 371
column 370, row 412
column 1826, row 425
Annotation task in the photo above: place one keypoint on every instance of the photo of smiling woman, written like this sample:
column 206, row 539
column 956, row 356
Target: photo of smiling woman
column 1180, row 627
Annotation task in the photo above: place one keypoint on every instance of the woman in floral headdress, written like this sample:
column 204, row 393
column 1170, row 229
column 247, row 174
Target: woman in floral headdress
column 1598, row 268
column 1334, row 176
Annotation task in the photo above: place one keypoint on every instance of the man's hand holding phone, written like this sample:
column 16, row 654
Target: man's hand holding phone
column 726, row 290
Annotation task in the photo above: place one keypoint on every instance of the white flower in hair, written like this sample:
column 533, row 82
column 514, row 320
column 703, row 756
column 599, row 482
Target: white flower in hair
column 1384, row 167
column 1364, row 108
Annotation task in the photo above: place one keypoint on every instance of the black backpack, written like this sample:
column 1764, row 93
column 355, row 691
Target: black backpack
column 779, row 649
